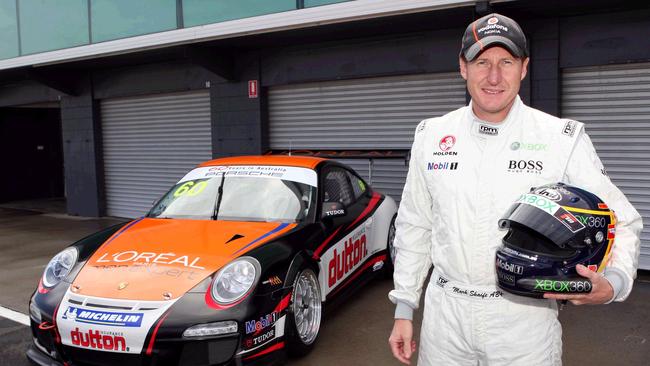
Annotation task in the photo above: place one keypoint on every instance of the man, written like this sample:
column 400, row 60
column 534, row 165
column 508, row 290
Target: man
column 466, row 169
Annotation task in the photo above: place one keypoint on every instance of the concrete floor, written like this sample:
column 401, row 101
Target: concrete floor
column 354, row 334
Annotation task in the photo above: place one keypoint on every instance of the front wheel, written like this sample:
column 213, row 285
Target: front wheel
column 305, row 313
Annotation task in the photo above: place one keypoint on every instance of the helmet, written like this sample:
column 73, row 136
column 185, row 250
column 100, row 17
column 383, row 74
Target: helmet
column 551, row 230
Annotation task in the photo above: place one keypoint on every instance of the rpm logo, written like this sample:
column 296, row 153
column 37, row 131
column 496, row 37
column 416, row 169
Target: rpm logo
column 488, row 130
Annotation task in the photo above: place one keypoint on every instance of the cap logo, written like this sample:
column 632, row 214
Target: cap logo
column 493, row 20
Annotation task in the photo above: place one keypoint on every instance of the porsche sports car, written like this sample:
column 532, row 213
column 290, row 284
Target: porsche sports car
column 231, row 267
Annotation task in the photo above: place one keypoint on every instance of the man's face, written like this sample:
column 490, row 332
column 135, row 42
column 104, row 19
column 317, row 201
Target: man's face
column 493, row 80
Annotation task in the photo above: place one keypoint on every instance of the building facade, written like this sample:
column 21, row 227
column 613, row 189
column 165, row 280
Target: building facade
column 109, row 102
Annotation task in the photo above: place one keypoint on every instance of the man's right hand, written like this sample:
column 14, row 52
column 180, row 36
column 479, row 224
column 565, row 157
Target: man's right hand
column 401, row 340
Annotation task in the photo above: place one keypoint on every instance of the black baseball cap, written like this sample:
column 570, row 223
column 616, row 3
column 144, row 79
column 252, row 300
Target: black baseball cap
column 491, row 30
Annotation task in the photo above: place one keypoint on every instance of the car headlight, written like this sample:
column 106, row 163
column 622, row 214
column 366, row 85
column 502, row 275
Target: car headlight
column 235, row 280
column 60, row 266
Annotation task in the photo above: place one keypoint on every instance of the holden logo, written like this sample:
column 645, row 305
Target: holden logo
column 493, row 20
column 447, row 142
column 122, row 285
column 549, row 193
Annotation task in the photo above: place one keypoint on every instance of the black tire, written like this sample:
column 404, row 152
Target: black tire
column 305, row 313
column 389, row 267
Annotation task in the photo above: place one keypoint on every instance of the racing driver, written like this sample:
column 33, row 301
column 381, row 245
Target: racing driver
column 466, row 168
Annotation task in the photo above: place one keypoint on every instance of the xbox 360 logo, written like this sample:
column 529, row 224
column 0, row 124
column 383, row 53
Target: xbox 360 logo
column 528, row 146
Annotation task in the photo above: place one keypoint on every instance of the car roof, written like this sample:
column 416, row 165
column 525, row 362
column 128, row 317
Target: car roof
column 299, row 161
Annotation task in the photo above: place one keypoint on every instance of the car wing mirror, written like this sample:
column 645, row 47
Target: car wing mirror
column 333, row 209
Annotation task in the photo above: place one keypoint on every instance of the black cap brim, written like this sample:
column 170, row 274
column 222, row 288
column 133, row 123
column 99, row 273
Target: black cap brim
column 475, row 49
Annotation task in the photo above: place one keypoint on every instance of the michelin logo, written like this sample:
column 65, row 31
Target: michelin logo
column 103, row 317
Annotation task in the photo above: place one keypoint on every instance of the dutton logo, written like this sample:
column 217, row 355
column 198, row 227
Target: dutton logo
column 493, row 20
column 350, row 257
column 447, row 142
column 96, row 340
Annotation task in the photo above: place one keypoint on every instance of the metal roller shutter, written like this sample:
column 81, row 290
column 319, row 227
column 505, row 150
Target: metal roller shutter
column 149, row 143
column 613, row 102
column 362, row 114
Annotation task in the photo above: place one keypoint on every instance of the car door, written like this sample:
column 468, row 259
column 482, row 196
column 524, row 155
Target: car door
column 346, row 246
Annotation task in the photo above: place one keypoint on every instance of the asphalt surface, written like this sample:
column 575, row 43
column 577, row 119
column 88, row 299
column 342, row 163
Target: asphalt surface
column 355, row 333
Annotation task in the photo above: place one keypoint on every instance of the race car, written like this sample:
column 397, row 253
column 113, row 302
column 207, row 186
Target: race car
column 232, row 266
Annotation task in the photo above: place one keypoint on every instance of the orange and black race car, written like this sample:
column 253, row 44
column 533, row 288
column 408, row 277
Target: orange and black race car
column 231, row 267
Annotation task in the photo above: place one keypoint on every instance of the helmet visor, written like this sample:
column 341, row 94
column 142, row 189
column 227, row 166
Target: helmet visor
column 544, row 216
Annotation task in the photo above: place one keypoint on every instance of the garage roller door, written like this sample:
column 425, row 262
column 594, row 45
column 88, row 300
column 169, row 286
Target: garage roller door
column 362, row 114
column 613, row 102
column 149, row 143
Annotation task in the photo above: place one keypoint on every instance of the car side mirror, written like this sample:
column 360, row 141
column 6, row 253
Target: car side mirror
column 333, row 209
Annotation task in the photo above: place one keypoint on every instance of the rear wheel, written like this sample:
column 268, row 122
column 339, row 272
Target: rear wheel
column 390, row 248
column 305, row 313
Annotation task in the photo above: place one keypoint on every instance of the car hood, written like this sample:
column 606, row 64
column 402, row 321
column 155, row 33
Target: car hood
column 162, row 259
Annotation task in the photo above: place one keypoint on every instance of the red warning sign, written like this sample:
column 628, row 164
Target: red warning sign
column 253, row 89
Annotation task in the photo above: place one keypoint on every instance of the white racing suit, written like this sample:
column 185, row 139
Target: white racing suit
column 456, row 190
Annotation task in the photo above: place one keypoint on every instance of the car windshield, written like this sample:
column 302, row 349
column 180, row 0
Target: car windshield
column 240, row 193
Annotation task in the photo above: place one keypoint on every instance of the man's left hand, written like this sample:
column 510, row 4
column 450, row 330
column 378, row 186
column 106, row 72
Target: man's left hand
column 601, row 289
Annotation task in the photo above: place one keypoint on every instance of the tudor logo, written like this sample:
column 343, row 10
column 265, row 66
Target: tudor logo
column 493, row 20
column 447, row 142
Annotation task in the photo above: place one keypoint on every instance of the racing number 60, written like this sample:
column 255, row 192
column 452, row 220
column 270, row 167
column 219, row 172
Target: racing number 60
column 190, row 189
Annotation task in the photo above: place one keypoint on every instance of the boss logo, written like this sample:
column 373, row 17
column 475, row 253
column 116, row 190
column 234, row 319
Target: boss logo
column 528, row 165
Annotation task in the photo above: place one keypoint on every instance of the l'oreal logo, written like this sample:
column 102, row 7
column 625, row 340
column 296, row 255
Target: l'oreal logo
column 149, row 257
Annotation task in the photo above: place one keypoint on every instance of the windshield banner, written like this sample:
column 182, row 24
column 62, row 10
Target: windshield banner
column 290, row 173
